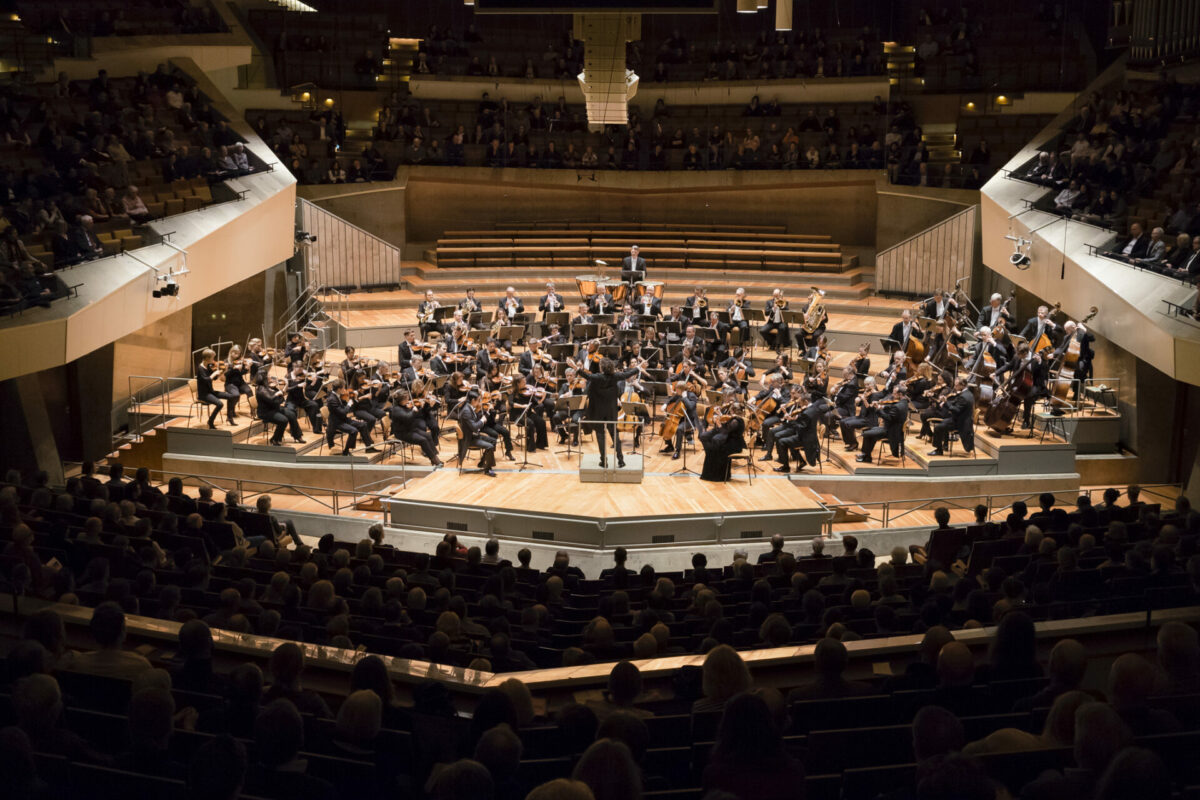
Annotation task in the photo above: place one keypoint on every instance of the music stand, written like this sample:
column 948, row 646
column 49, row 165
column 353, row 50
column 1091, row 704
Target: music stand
column 480, row 318
column 927, row 324
column 512, row 333
column 560, row 318
column 583, row 331
column 604, row 319
column 524, row 428
column 561, row 352
column 632, row 276
column 610, row 351
column 479, row 337
column 657, row 389
column 723, row 316
column 634, row 410
column 644, row 320
column 522, row 318
column 571, row 403
column 683, row 468
column 889, row 345
column 672, row 328
column 442, row 313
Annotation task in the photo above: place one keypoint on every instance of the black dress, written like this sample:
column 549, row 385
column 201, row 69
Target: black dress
column 719, row 444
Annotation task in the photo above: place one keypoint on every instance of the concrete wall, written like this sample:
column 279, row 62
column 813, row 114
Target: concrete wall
column 905, row 210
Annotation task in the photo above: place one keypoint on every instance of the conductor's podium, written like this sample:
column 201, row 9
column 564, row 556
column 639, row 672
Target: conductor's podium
column 590, row 470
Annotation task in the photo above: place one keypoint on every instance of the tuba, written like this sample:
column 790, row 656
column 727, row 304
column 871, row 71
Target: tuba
column 815, row 311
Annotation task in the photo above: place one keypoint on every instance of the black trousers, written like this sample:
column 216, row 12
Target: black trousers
column 488, row 444
column 849, row 425
column 501, row 434
column 353, row 428
column 941, row 434
column 279, row 420
column 775, row 334
column 311, row 410
column 599, row 429
column 873, row 435
column 216, row 400
column 422, row 440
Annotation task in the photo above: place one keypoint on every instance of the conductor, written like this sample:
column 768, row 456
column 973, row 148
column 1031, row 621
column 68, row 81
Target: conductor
column 603, row 390
column 633, row 267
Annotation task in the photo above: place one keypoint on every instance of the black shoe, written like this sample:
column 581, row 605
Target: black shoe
column 508, row 455
column 373, row 450
column 860, row 458
column 936, row 452
column 275, row 442
column 575, row 442
column 783, row 468
column 491, row 473
column 620, row 463
column 298, row 440
column 233, row 420
column 211, row 425
column 603, row 462
column 766, row 457
column 676, row 455
column 667, row 449
column 346, row 452
column 850, row 448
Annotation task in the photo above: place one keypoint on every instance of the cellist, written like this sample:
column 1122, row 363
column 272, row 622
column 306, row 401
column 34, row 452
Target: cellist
column 681, row 420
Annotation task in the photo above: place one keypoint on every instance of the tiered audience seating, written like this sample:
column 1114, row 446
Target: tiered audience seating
column 76, row 148
column 944, row 727
column 1130, row 159
column 332, row 49
column 131, row 18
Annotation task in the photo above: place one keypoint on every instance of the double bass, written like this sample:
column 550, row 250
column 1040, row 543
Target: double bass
column 1007, row 403
column 1061, row 382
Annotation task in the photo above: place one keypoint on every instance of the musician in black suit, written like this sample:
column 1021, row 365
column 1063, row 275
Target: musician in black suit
column 904, row 330
column 775, row 330
column 297, row 348
column 406, row 429
column 532, row 355
column 472, row 422
column 603, row 391
column 689, row 423
column 737, row 314
column 602, row 302
column 939, row 305
column 236, row 370
column 843, row 397
column 271, row 411
column 895, row 373
column 510, row 303
column 893, row 414
column 695, row 306
column 425, row 311
column 960, row 408
column 994, row 313
column 1038, row 365
column 721, row 442
column 718, row 350
column 648, row 306
column 408, row 349
column 985, row 346
column 1036, row 326
column 551, row 301
column 1074, row 331
column 469, row 305
column 340, row 420
column 803, row 437
column 352, row 366
column 298, row 399
column 633, row 266
column 206, row 393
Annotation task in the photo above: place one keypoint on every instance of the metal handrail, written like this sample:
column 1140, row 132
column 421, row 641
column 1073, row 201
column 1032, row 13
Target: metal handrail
column 334, row 503
column 164, row 382
column 932, row 227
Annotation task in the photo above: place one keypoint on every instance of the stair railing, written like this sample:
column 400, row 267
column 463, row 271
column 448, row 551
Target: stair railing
column 935, row 258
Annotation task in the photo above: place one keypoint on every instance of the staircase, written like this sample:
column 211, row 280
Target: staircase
column 901, row 64
column 398, row 66
column 942, row 141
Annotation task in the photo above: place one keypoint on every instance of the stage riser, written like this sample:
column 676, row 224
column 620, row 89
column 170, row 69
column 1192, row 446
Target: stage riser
column 590, row 470
column 1093, row 435
column 603, row 533
column 324, row 472
column 893, row 488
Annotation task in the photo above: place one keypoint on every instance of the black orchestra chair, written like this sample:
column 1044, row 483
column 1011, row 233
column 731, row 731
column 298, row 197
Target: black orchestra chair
column 751, row 467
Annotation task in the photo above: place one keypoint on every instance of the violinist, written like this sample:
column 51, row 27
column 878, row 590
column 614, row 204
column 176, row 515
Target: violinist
column 782, row 421
column 425, row 310
column 486, row 358
column 683, row 402
column 260, row 360
column 340, row 421
column 438, row 363
column 896, row 371
column 802, row 436
column 782, row 367
column 602, row 302
column 922, row 386
column 298, row 399
column 405, row 426
column 532, row 357
column 775, row 331
column 235, row 380
column 861, row 363
column 272, row 411
column 938, row 306
column 456, row 389
column 414, row 371
column 816, row 382
column 649, row 306
column 864, row 414
column 575, row 387
column 551, row 301
column 723, row 381
column 936, row 398
column 297, row 348
column 472, row 421
column 724, row 439
column 843, row 396
column 892, row 416
column 511, row 304
column 695, row 307
column 408, row 348
column 495, row 410
column 960, row 409
column 493, row 380
column 363, row 402
column 352, row 366
column 737, row 313
column 769, row 404
column 739, row 367
column 528, row 405
column 603, row 390
column 426, row 405
column 995, row 313
column 588, row 355
column 206, row 373
column 456, row 340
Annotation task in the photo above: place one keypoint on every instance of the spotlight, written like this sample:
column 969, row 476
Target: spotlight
column 169, row 289
column 1019, row 259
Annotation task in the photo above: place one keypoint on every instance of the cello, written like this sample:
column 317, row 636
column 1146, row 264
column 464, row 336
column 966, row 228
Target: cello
column 1008, row 402
column 676, row 412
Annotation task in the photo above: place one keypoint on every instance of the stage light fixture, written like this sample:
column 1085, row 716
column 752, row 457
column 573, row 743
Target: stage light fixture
column 747, row 6
column 783, row 15
column 329, row 102
column 1019, row 259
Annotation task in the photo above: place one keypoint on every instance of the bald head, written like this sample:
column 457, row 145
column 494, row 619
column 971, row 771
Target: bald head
column 955, row 665
column 1068, row 662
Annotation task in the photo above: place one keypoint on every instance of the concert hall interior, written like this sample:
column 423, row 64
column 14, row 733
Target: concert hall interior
column 577, row 399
